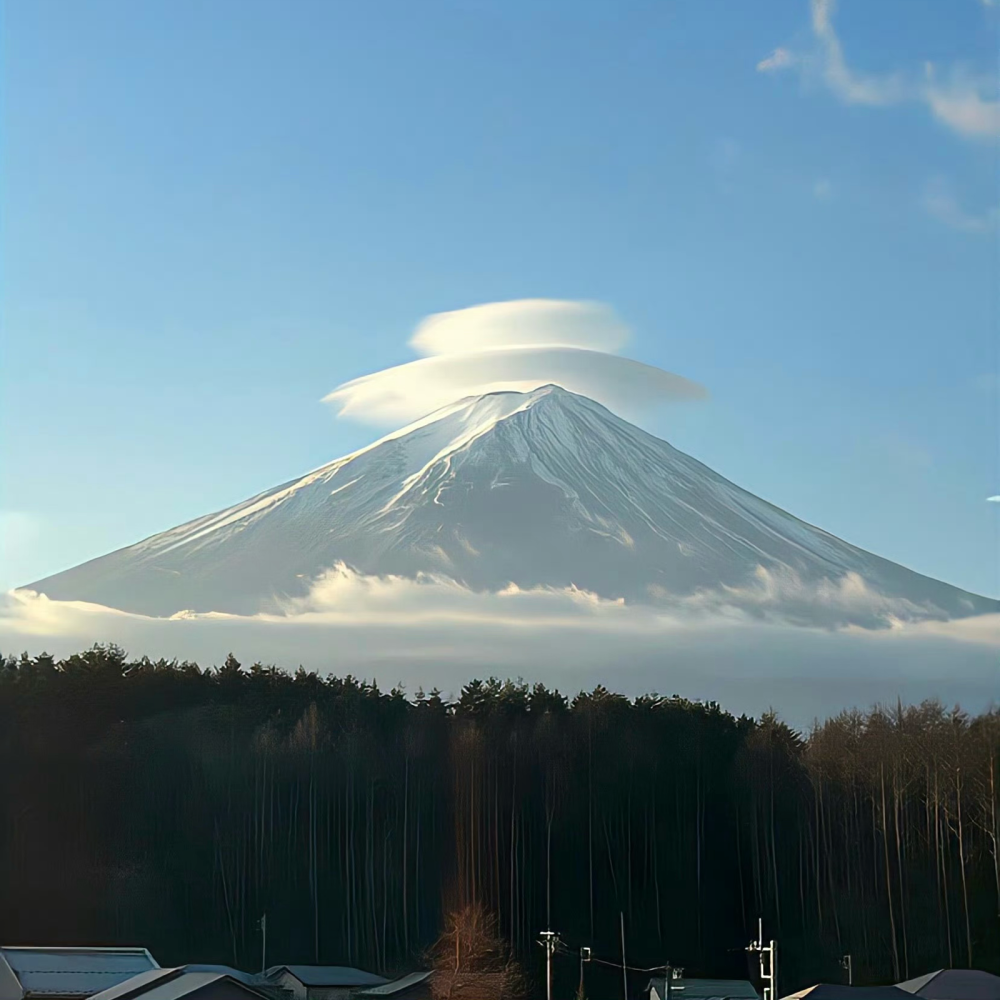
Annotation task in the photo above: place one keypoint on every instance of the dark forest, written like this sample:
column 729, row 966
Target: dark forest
column 161, row 804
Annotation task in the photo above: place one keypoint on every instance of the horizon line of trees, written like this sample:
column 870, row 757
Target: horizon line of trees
column 157, row 803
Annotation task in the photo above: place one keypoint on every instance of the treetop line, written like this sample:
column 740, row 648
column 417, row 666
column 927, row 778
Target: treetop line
column 159, row 803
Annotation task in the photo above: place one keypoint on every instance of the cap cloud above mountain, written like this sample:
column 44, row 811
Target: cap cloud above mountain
column 513, row 346
column 522, row 323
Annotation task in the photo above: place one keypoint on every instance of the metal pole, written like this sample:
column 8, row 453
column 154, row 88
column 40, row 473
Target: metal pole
column 624, row 970
column 768, row 972
column 773, row 969
column 548, row 942
column 585, row 955
column 548, row 966
column 263, row 944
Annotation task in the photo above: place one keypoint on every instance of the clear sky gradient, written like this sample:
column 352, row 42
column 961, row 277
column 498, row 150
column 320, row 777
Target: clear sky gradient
column 213, row 213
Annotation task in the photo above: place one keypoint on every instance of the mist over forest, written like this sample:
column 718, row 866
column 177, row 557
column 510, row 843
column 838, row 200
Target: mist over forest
column 170, row 806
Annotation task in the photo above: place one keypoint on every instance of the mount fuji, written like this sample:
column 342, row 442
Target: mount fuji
column 539, row 489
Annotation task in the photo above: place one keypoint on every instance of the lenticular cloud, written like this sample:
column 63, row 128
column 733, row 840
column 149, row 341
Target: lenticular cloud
column 513, row 346
column 522, row 323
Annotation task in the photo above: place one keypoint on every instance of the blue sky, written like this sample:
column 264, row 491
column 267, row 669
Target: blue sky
column 212, row 214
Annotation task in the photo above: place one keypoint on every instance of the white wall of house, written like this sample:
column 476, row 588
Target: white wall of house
column 289, row 982
column 331, row 992
column 302, row 992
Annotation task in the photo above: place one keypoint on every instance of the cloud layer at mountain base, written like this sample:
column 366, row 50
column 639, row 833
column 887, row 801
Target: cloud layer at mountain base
column 512, row 346
column 734, row 647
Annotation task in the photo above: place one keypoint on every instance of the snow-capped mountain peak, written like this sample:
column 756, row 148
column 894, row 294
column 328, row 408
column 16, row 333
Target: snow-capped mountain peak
column 540, row 488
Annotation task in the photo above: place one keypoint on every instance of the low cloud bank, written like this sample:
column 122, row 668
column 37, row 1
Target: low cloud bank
column 735, row 647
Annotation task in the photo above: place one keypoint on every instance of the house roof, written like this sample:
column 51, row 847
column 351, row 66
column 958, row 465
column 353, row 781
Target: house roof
column 135, row 985
column 916, row 985
column 68, row 972
column 835, row 991
column 143, row 984
column 955, row 984
column 246, row 978
column 702, row 989
column 396, row 986
column 174, row 984
column 327, row 975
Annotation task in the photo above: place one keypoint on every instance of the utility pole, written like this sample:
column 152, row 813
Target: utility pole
column 768, row 970
column 624, row 967
column 263, row 944
column 584, row 957
column 845, row 963
column 549, row 940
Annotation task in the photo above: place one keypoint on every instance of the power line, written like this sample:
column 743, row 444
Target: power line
column 563, row 948
column 631, row 968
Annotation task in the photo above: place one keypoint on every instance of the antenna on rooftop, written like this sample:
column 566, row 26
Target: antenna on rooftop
column 768, row 969
column 672, row 973
column 848, row 967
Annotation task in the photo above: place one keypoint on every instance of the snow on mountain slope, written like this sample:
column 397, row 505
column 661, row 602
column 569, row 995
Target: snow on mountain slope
column 545, row 488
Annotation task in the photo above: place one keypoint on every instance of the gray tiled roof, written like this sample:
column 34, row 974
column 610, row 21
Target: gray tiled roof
column 73, row 971
column 171, row 984
column 955, row 984
column 141, row 987
column 130, row 987
column 328, row 975
column 838, row 991
column 396, row 986
column 246, row 978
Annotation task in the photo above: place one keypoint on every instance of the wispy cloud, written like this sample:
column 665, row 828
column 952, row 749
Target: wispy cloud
column 964, row 103
column 779, row 59
column 940, row 203
column 725, row 153
column 512, row 346
column 724, row 159
column 823, row 189
column 850, row 86
column 959, row 104
column 901, row 451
